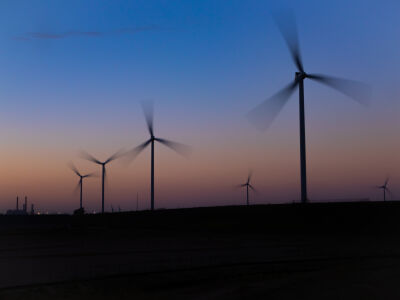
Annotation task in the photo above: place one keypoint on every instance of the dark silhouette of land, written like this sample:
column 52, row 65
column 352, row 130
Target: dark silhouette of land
column 292, row 251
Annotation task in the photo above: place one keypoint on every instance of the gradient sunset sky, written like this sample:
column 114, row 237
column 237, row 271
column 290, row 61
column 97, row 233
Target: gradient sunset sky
column 73, row 74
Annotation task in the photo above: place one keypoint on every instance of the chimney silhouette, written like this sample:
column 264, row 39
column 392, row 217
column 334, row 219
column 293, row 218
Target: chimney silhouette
column 32, row 209
column 26, row 204
column 17, row 203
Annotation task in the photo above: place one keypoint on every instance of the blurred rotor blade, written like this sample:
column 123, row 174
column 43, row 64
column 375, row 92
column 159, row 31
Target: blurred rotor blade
column 252, row 187
column 148, row 110
column 178, row 147
column 389, row 191
column 116, row 155
column 358, row 91
column 87, row 156
column 249, row 176
column 94, row 174
column 386, row 182
column 287, row 26
column 73, row 168
column 265, row 113
column 77, row 187
column 131, row 154
column 239, row 186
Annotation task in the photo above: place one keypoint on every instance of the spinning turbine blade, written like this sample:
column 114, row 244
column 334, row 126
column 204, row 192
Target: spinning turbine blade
column 386, row 182
column 116, row 155
column 148, row 110
column 356, row 90
column 178, row 147
column 264, row 114
column 89, row 157
column 77, row 187
column 249, row 176
column 287, row 26
column 94, row 174
column 73, row 168
column 131, row 155
column 253, row 188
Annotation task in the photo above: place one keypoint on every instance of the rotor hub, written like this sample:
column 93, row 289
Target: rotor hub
column 300, row 75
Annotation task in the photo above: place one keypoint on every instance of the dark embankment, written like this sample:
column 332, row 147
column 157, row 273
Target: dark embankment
column 313, row 251
column 313, row 218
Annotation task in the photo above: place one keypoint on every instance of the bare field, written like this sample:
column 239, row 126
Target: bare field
column 204, row 254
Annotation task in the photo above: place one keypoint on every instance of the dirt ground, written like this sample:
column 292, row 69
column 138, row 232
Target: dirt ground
column 115, row 263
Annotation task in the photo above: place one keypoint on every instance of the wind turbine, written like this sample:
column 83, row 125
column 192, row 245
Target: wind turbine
column 103, row 164
column 385, row 189
column 248, row 185
column 80, row 183
column 263, row 115
column 182, row 149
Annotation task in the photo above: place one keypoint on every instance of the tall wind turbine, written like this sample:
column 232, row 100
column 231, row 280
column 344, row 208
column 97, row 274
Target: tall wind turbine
column 248, row 185
column 263, row 115
column 103, row 164
column 80, row 183
column 384, row 188
column 184, row 150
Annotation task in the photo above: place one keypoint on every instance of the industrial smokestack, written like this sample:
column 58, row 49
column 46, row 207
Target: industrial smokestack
column 17, row 203
column 26, row 204
column 32, row 209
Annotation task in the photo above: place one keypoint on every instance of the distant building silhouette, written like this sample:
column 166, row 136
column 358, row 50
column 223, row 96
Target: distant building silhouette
column 17, row 211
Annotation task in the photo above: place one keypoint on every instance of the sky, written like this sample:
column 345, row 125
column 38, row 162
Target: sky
column 73, row 75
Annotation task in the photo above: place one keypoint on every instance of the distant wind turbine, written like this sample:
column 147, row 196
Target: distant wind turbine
column 248, row 185
column 385, row 189
column 80, row 183
column 103, row 164
column 182, row 149
column 263, row 115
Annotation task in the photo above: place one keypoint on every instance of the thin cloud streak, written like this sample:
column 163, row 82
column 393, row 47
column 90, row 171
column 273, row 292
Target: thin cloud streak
column 76, row 33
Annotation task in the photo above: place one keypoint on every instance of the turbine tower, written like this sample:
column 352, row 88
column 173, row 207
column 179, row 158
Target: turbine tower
column 263, row 115
column 80, row 183
column 103, row 164
column 184, row 150
column 248, row 185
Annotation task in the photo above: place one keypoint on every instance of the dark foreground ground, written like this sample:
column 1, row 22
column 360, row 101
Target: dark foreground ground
column 316, row 251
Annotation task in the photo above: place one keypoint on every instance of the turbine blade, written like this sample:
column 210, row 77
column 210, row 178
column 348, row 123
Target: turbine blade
column 94, row 174
column 286, row 23
column 116, row 155
column 265, row 113
column 239, row 186
column 87, row 156
column 249, row 176
column 148, row 110
column 77, row 187
column 386, row 182
column 252, row 187
column 178, row 147
column 131, row 154
column 73, row 168
column 356, row 90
